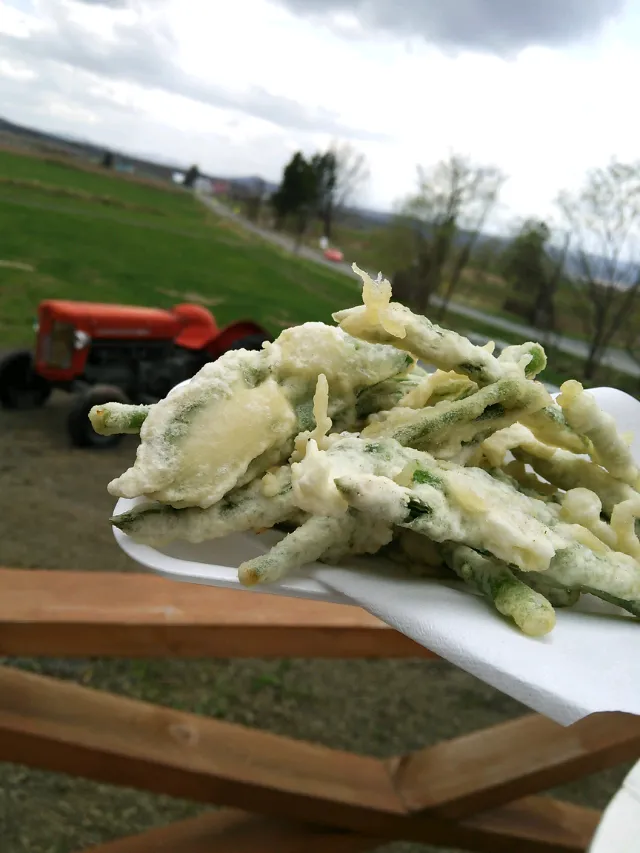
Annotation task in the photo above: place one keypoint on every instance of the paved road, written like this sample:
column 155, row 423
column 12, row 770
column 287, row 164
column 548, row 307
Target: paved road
column 273, row 237
column 615, row 358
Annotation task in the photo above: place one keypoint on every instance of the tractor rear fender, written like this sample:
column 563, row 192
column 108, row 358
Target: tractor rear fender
column 199, row 326
column 235, row 332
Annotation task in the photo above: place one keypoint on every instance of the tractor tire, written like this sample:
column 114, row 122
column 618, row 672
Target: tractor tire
column 20, row 385
column 81, row 433
column 251, row 342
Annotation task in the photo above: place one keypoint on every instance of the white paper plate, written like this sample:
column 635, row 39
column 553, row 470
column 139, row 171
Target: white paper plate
column 619, row 829
column 216, row 562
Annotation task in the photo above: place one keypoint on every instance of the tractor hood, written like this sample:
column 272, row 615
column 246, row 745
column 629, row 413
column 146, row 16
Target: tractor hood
column 191, row 326
column 111, row 321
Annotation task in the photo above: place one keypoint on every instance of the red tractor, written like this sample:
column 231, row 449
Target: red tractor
column 115, row 353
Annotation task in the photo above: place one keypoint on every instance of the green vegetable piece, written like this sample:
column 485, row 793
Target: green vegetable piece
column 515, row 354
column 422, row 477
column 304, row 545
column 462, row 422
column 558, row 596
column 385, row 395
column 246, row 508
column 531, row 612
column 443, row 348
column 632, row 607
column 118, row 418
column 610, row 573
column 567, row 471
column 550, row 426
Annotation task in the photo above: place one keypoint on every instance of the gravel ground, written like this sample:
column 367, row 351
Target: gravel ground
column 53, row 512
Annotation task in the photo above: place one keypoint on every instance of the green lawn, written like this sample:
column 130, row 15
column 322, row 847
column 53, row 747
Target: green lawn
column 170, row 200
column 82, row 250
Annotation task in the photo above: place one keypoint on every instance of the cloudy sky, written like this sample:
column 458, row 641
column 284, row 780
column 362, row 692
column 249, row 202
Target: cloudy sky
column 544, row 88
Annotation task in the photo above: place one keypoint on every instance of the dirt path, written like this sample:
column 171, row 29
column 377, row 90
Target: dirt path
column 53, row 503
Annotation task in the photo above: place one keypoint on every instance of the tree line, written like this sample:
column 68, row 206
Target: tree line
column 591, row 247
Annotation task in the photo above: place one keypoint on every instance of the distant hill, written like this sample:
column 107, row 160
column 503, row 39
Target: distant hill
column 254, row 181
column 16, row 135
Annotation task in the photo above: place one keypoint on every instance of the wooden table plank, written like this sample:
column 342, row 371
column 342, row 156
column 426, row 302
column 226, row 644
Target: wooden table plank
column 72, row 729
column 63, row 727
column 83, row 614
column 536, row 824
column 546, row 826
column 485, row 769
column 231, row 831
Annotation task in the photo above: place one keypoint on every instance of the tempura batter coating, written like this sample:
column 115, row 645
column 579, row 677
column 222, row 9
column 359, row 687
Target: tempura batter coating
column 609, row 448
column 334, row 436
column 118, row 418
column 447, row 427
column 200, row 441
column 251, row 507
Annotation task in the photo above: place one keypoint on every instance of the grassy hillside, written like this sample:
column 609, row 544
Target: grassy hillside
column 76, row 247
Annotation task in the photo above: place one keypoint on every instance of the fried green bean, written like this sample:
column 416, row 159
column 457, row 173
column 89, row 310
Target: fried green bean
column 246, row 508
column 609, row 572
column 526, row 483
column 437, row 386
column 558, row 596
column 609, row 448
column 447, row 427
column 531, row 357
column 511, row 597
column 387, row 394
column 384, row 322
column 550, row 426
column 568, row 471
column 306, row 544
column 118, row 418
column 445, row 349
column 525, row 541
column 410, row 488
column 632, row 607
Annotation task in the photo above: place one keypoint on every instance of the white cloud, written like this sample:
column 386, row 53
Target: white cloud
column 237, row 87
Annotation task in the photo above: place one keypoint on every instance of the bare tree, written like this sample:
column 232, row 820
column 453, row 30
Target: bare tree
column 603, row 218
column 454, row 200
column 352, row 173
column 341, row 173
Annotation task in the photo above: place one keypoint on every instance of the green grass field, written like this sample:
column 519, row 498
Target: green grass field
column 80, row 249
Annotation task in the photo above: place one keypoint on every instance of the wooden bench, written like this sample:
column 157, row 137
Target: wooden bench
column 477, row 792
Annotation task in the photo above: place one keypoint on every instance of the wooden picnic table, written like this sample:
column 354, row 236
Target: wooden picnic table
column 478, row 792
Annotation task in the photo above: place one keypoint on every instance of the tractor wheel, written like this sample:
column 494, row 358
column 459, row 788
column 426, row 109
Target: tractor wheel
column 81, row 433
column 20, row 385
column 252, row 342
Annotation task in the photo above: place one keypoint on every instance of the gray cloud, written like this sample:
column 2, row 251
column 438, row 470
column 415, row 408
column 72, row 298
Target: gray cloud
column 501, row 26
column 141, row 53
column 118, row 126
